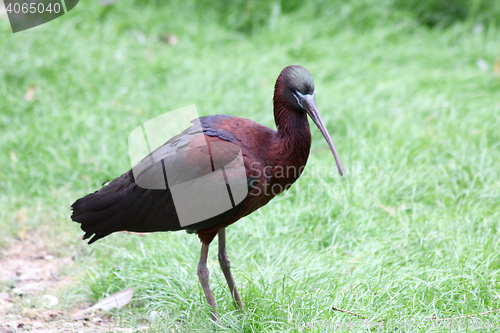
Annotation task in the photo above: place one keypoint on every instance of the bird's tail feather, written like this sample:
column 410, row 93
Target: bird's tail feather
column 110, row 209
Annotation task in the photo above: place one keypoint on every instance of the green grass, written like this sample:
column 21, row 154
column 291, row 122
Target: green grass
column 411, row 231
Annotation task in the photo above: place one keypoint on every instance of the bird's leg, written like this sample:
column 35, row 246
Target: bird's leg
column 203, row 276
column 225, row 265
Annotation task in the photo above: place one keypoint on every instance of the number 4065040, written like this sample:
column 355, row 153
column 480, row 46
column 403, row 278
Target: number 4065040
column 33, row 8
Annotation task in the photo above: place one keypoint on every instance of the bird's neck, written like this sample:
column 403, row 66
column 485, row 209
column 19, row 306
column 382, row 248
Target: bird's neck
column 293, row 138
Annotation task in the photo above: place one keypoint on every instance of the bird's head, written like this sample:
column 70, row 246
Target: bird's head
column 296, row 86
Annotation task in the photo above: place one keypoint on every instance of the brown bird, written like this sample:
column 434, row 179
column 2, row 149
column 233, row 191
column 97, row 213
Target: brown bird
column 272, row 161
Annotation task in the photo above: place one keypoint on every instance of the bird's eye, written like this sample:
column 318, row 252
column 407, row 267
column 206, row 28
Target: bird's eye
column 298, row 96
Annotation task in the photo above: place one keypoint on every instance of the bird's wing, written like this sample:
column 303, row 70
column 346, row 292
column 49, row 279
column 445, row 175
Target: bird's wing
column 186, row 157
column 142, row 199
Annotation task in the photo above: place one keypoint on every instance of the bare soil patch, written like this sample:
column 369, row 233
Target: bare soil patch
column 31, row 283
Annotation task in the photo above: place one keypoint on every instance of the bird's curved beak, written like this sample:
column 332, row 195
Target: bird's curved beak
column 309, row 104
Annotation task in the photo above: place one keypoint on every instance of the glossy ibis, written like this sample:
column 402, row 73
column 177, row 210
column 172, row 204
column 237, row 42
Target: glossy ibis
column 122, row 205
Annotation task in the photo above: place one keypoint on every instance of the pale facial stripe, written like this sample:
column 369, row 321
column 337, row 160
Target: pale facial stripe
column 302, row 96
